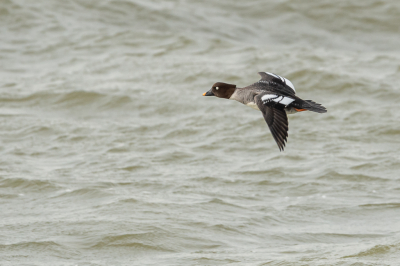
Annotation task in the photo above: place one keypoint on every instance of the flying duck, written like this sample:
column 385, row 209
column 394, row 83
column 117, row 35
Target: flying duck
column 274, row 96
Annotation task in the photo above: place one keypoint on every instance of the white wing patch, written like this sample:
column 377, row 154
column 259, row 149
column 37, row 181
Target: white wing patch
column 284, row 80
column 267, row 98
column 272, row 74
column 285, row 100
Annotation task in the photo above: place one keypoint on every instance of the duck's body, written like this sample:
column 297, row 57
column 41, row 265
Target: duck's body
column 274, row 96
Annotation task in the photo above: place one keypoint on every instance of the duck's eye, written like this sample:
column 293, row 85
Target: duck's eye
column 216, row 88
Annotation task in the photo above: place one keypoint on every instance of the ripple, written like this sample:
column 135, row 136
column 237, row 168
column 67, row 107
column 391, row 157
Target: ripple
column 70, row 100
column 377, row 251
column 351, row 177
column 139, row 242
column 381, row 206
column 88, row 193
column 31, row 245
column 31, row 185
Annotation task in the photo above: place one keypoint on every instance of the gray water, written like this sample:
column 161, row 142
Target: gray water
column 110, row 155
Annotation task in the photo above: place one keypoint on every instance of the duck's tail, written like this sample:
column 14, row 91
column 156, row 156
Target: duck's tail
column 313, row 106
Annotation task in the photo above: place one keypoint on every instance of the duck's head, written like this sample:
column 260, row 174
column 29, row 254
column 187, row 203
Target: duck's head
column 221, row 90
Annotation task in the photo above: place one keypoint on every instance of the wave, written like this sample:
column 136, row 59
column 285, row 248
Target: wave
column 69, row 100
column 31, row 185
column 377, row 251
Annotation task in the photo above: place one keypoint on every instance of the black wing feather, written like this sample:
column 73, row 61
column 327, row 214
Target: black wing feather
column 278, row 80
column 277, row 121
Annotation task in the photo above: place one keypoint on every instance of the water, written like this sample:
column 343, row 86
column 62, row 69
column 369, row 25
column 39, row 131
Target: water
column 111, row 156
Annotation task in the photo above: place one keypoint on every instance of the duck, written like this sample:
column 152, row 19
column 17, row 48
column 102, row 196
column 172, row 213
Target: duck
column 273, row 95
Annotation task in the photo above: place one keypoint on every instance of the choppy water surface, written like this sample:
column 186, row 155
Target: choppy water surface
column 111, row 156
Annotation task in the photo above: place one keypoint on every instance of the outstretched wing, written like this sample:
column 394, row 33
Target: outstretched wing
column 276, row 119
column 287, row 86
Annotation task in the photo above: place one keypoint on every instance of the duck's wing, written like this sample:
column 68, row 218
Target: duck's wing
column 276, row 119
column 286, row 86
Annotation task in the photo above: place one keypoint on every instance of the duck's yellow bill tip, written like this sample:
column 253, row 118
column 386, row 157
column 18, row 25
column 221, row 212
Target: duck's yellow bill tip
column 204, row 94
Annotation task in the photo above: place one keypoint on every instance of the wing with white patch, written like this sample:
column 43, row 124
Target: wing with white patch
column 267, row 99
column 276, row 119
column 287, row 84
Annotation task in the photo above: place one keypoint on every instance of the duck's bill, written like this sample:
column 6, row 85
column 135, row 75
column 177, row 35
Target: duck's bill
column 208, row 93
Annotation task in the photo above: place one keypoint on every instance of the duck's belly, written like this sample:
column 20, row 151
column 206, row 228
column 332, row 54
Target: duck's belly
column 253, row 105
column 290, row 110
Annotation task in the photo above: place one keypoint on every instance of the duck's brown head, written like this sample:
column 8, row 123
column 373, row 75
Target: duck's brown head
column 221, row 90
